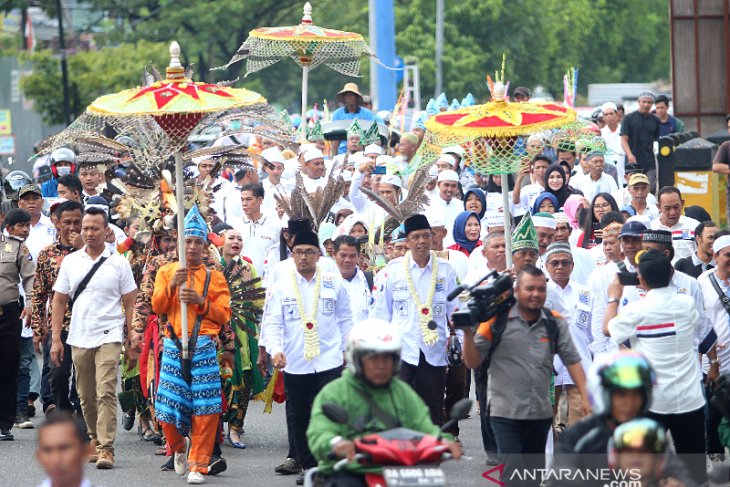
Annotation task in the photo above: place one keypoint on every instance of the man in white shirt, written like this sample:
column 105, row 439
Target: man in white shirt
column 446, row 204
column 623, row 196
column 306, row 319
column 231, row 200
column 411, row 293
column 524, row 196
column 259, row 231
column 595, row 180
column 313, row 169
column 218, row 185
column 611, row 135
column 273, row 165
column 662, row 327
column 42, row 231
column 709, row 282
column 638, row 188
column 671, row 206
column 347, row 255
column 97, row 326
column 600, row 279
column 573, row 300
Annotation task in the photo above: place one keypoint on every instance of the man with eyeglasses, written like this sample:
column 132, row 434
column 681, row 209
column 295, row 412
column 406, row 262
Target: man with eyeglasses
column 306, row 321
column 572, row 301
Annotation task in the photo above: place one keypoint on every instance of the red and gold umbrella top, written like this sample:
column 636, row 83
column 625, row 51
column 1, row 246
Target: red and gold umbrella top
column 173, row 96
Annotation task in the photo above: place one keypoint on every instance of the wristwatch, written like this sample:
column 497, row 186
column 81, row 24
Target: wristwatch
column 714, row 361
column 612, row 300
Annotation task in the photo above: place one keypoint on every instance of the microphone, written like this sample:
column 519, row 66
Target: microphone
column 457, row 290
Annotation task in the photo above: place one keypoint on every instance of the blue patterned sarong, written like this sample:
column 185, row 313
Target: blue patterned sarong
column 177, row 401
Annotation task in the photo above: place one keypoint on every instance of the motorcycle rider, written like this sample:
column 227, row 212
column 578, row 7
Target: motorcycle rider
column 620, row 389
column 63, row 161
column 371, row 378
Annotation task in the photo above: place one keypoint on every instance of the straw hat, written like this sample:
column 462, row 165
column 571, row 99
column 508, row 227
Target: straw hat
column 350, row 88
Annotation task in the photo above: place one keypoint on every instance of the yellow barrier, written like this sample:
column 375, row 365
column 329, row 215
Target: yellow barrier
column 704, row 188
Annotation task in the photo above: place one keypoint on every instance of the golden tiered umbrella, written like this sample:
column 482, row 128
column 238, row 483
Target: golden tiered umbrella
column 489, row 132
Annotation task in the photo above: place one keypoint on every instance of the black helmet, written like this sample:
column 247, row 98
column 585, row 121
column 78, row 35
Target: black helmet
column 624, row 370
column 14, row 181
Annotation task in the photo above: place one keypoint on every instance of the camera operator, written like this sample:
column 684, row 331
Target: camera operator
column 662, row 326
column 520, row 345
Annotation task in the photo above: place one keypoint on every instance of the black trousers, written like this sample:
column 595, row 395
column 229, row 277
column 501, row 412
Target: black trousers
column 62, row 381
column 46, row 394
column 301, row 389
column 712, row 422
column 480, row 386
column 455, row 391
column 10, row 326
column 688, row 433
column 429, row 382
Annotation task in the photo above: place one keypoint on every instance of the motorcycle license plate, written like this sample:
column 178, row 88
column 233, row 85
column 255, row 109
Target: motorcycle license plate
column 413, row 476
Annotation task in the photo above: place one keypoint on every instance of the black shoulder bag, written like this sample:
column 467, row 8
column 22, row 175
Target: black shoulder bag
column 84, row 282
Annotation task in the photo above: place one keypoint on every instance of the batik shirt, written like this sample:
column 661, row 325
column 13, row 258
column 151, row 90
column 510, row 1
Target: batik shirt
column 49, row 262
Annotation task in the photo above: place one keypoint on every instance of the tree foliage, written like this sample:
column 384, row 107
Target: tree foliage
column 91, row 74
column 608, row 40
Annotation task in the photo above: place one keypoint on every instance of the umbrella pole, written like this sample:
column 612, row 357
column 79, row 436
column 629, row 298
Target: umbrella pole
column 180, row 197
column 305, row 87
column 507, row 222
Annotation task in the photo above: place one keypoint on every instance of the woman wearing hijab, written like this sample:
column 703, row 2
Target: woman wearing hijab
column 545, row 203
column 466, row 232
column 556, row 183
column 476, row 202
column 493, row 194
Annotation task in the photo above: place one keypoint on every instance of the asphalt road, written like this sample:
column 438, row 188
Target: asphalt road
column 265, row 436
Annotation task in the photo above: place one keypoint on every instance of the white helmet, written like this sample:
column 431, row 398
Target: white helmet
column 369, row 337
column 63, row 154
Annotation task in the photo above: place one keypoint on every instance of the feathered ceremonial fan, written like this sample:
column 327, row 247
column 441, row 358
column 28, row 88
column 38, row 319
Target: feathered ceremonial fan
column 314, row 206
column 247, row 297
column 414, row 202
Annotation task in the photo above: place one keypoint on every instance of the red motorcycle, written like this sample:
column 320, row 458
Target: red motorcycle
column 407, row 457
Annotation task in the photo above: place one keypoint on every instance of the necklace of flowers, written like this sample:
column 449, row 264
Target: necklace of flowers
column 311, row 333
column 424, row 309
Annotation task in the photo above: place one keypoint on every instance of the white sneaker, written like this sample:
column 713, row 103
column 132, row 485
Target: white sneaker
column 196, row 478
column 181, row 460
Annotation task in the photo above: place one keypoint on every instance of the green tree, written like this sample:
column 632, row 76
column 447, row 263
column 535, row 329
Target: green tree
column 608, row 40
column 91, row 74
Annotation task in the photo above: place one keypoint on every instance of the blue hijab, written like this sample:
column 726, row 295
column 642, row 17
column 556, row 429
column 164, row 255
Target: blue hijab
column 460, row 230
column 479, row 194
column 542, row 197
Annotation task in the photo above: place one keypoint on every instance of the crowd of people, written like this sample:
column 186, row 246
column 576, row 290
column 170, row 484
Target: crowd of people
column 615, row 334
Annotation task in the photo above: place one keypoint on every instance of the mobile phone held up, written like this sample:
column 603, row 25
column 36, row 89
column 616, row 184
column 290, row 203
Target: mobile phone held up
column 628, row 278
column 379, row 170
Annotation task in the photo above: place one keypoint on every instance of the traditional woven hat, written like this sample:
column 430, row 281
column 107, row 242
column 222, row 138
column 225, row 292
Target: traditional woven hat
column 195, row 225
column 524, row 235
column 314, row 133
column 349, row 88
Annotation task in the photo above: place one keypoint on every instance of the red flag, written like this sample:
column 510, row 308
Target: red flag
column 29, row 34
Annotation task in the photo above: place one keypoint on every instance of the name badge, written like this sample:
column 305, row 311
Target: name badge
column 439, row 284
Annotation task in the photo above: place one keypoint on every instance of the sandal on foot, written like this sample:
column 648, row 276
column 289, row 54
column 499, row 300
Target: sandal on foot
column 236, row 444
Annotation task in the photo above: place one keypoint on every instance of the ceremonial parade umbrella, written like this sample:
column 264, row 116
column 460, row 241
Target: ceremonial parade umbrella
column 490, row 133
column 307, row 45
column 175, row 106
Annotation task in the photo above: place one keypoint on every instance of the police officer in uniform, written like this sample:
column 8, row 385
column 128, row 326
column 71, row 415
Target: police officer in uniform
column 16, row 265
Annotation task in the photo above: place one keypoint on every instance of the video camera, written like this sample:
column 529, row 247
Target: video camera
column 485, row 300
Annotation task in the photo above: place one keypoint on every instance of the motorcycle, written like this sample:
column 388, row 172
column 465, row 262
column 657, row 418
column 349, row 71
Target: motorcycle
column 408, row 458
